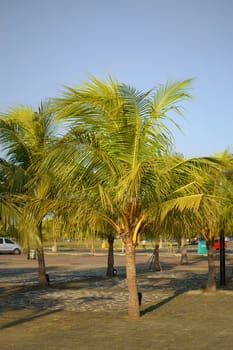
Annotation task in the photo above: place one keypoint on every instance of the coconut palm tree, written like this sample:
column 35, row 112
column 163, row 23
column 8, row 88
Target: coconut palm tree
column 116, row 159
column 26, row 137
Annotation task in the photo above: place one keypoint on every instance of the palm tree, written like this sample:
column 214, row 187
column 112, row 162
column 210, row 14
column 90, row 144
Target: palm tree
column 215, row 221
column 210, row 218
column 116, row 156
column 116, row 160
column 26, row 137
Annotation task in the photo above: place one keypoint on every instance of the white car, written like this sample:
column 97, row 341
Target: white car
column 7, row 246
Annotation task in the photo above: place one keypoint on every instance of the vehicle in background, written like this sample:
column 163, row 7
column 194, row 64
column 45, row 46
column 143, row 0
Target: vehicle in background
column 217, row 243
column 193, row 240
column 7, row 246
column 230, row 238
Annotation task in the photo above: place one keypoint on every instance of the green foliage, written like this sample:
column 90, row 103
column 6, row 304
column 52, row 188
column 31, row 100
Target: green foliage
column 113, row 165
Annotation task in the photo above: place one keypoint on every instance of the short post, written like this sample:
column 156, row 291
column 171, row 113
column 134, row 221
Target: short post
column 140, row 298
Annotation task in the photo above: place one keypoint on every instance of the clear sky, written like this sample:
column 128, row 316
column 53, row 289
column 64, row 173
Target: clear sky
column 45, row 44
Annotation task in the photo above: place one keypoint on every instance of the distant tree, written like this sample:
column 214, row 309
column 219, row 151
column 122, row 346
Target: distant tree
column 26, row 138
column 215, row 212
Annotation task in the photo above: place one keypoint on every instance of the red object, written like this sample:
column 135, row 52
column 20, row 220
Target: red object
column 217, row 244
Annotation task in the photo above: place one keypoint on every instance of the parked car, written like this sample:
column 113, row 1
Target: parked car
column 217, row 243
column 7, row 246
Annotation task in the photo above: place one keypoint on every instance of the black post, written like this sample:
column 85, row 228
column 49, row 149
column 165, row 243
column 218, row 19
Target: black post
column 222, row 258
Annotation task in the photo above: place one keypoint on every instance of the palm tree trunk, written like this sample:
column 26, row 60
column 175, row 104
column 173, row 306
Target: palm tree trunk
column 41, row 261
column 160, row 242
column 56, row 231
column 133, row 303
column 184, row 255
column 211, row 281
column 155, row 264
column 92, row 247
column 110, row 268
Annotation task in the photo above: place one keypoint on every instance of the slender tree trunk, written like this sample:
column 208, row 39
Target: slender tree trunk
column 110, row 268
column 184, row 255
column 170, row 248
column 56, row 231
column 92, row 247
column 179, row 245
column 41, row 261
column 155, row 263
column 54, row 247
column 133, row 303
column 211, row 281
column 160, row 242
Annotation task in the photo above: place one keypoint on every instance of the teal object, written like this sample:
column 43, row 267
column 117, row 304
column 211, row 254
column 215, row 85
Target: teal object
column 201, row 247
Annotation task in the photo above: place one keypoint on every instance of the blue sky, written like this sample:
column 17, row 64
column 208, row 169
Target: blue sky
column 50, row 43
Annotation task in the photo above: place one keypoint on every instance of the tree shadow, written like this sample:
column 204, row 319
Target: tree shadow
column 173, row 285
column 29, row 318
column 26, row 299
column 156, row 306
